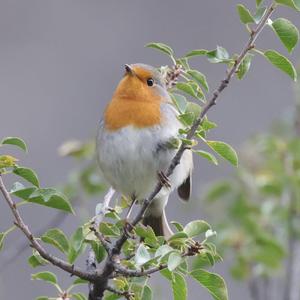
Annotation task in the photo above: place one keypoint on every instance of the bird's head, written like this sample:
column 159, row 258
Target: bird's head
column 142, row 83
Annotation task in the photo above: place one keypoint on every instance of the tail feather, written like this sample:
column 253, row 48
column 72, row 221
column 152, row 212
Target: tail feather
column 184, row 190
column 159, row 224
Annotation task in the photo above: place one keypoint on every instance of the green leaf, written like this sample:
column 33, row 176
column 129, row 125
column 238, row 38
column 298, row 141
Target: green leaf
column 77, row 239
column 197, row 52
column 194, row 109
column 187, row 118
column 178, row 239
column 42, row 298
column 47, row 197
column 199, row 77
column 7, row 161
column 27, row 174
column 161, row 47
column 244, row 66
column 76, row 245
column 244, row 13
column 287, row 33
column 281, row 62
column 178, row 235
column 79, row 281
column 219, row 55
column 259, row 14
column 180, row 102
column 174, row 261
column 167, row 274
column 179, row 287
column 147, row 293
column 109, row 229
column 52, row 198
column 99, row 251
column 19, row 190
column 46, row 276
column 196, row 228
column 204, row 261
column 295, row 4
column 224, row 150
column 35, row 260
column 210, row 258
column 210, row 157
column 111, row 296
column 142, row 255
column 147, row 233
column 163, row 250
column 14, row 141
column 177, row 225
column 214, row 283
column 56, row 238
column 186, row 88
column 207, row 125
column 79, row 296
column 184, row 61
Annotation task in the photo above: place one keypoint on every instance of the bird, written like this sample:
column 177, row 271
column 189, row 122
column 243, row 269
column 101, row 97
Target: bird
column 135, row 143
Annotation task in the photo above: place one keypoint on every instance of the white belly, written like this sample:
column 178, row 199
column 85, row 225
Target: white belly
column 130, row 160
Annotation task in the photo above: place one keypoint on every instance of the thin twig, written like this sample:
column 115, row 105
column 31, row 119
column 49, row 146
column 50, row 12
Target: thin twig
column 37, row 246
column 101, row 238
column 12, row 253
column 136, row 273
column 125, row 294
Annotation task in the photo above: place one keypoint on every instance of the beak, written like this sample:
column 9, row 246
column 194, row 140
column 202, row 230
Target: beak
column 129, row 70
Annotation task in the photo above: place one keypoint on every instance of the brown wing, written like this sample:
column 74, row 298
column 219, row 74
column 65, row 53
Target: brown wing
column 184, row 191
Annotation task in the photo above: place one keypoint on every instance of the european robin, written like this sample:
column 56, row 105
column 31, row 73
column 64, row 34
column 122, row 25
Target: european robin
column 134, row 143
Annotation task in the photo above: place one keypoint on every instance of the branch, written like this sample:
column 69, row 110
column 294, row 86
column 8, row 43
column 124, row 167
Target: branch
column 116, row 249
column 37, row 246
column 224, row 83
column 14, row 252
column 125, row 294
column 100, row 237
column 135, row 273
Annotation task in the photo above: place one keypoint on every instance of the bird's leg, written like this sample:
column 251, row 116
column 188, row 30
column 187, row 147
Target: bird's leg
column 128, row 227
column 133, row 201
column 102, row 207
column 163, row 179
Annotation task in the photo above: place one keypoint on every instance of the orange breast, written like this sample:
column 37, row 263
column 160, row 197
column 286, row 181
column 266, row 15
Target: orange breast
column 121, row 113
column 133, row 103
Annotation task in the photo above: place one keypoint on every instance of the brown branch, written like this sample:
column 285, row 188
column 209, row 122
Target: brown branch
column 136, row 273
column 101, row 238
column 116, row 249
column 37, row 246
column 126, row 294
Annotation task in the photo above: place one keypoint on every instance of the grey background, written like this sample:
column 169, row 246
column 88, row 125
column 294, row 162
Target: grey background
column 60, row 61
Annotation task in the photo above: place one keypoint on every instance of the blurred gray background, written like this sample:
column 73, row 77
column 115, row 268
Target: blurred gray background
column 59, row 64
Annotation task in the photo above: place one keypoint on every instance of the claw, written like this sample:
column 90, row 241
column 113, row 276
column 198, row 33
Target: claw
column 128, row 228
column 164, row 180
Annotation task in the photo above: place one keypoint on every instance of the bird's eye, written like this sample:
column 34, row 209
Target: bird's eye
column 150, row 82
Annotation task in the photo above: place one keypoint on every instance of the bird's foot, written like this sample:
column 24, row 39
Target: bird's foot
column 164, row 180
column 128, row 227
